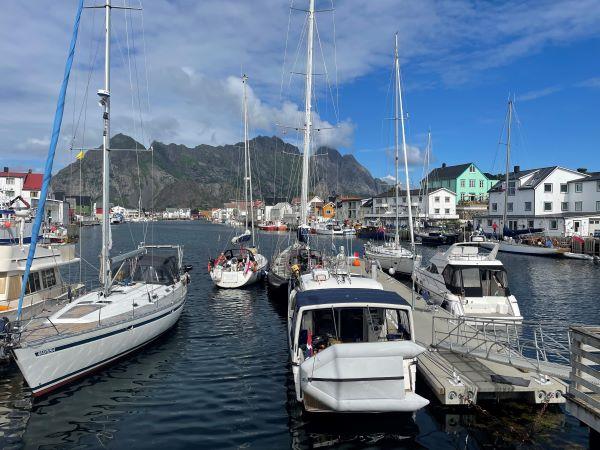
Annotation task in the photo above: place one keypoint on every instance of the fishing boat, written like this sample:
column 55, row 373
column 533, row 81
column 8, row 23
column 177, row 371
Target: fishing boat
column 329, row 228
column 276, row 225
column 142, row 293
column 468, row 280
column 391, row 255
column 351, row 343
column 241, row 266
column 372, row 232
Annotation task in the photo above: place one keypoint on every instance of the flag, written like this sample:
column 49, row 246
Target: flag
column 309, row 345
column 79, row 155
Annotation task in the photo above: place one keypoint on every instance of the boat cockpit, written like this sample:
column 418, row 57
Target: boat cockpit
column 476, row 281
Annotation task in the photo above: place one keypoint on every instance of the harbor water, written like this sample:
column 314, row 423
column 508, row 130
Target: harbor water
column 220, row 378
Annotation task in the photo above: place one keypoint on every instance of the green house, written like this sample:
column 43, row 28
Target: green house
column 469, row 183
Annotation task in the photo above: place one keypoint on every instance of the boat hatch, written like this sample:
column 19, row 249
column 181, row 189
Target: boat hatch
column 476, row 281
column 80, row 310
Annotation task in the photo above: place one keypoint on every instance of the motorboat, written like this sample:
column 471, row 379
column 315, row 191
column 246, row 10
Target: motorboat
column 329, row 228
column 372, row 232
column 351, row 344
column 435, row 236
column 468, row 280
column 276, row 225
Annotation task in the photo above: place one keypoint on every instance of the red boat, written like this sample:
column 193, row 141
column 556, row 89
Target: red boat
column 273, row 226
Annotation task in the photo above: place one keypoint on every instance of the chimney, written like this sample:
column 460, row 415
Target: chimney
column 517, row 169
column 5, row 169
column 582, row 170
column 443, row 165
column 29, row 171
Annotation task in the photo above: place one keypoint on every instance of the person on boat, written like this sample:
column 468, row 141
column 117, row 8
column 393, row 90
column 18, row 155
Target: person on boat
column 220, row 259
column 494, row 227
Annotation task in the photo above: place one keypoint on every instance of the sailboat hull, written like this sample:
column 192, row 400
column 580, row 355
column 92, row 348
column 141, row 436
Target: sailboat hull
column 52, row 363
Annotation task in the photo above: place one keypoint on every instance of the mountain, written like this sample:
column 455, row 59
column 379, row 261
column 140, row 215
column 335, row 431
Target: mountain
column 207, row 176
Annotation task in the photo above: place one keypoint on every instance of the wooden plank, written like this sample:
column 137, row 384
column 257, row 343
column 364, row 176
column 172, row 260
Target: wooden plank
column 586, row 401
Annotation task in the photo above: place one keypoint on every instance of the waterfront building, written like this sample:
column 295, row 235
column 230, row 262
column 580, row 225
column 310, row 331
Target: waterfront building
column 27, row 185
column 349, row 207
column 177, row 214
column 561, row 201
column 468, row 182
column 434, row 204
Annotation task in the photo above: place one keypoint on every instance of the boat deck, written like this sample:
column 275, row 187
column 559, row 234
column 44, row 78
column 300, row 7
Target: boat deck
column 458, row 379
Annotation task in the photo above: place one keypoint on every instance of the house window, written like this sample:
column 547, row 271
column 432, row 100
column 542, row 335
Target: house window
column 511, row 188
column 494, row 206
column 597, row 205
column 489, row 222
column 447, row 199
column 34, row 194
column 578, row 206
column 447, row 210
column 597, row 186
column 437, row 210
column 436, row 199
column 578, row 187
column 547, row 206
column 10, row 181
column 547, row 187
column 554, row 224
column 527, row 206
column 462, row 196
column 481, row 183
column 472, row 169
column 564, row 206
column 564, row 188
column 509, row 207
column 530, row 224
column 462, row 183
column 472, row 183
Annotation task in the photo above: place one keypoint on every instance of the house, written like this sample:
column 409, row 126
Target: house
column 437, row 203
column 279, row 211
column 177, row 214
column 468, row 182
column 25, row 184
column 349, row 207
column 561, row 201
column 315, row 205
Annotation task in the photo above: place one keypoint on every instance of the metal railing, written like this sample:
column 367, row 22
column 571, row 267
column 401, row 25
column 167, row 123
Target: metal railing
column 585, row 359
column 525, row 345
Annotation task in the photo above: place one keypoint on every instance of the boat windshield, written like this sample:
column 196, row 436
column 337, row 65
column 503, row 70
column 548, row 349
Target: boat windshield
column 153, row 267
column 476, row 281
column 321, row 328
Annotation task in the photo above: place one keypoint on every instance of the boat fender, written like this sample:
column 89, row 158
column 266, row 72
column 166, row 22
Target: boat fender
column 391, row 271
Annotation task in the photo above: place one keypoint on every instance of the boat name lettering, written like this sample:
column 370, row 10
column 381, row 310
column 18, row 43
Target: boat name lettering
column 44, row 352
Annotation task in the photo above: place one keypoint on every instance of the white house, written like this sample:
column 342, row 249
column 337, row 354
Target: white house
column 349, row 207
column 561, row 201
column 24, row 184
column 177, row 214
column 439, row 204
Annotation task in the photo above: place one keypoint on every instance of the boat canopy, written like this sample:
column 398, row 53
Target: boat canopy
column 348, row 295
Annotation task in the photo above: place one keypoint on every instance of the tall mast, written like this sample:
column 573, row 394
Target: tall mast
column 247, row 166
column 396, row 159
column 504, row 216
column 307, row 114
column 427, row 152
column 244, row 78
column 105, row 102
column 400, row 109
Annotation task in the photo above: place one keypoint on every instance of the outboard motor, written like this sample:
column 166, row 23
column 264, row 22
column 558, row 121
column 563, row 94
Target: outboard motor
column 303, row 233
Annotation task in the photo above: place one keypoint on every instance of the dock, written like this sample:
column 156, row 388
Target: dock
column 583, row 398
column 462, row 365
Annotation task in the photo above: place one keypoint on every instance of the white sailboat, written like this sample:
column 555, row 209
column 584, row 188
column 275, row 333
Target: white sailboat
column 241, row 266
column 391, row 255
column 140, row 300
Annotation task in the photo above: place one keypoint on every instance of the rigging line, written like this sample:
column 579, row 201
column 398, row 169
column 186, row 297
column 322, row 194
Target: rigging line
column 337, row 86
column 287, row 36
column 499, row 141
column 300, row 41
column 327, row 80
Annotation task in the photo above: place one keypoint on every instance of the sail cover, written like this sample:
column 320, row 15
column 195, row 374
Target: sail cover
column 242, row 238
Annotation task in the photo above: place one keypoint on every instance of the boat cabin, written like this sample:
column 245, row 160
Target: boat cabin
column 475, row 281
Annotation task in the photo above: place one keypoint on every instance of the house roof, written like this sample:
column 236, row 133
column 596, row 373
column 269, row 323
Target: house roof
column 532, row 183
column 33, row 182
column 448, row 172
column 593, row 176
column 415, row 192
column 348, row 295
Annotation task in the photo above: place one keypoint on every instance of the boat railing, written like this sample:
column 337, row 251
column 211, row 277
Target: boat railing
column 526, row 345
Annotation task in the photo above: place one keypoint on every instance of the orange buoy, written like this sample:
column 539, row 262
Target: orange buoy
column 7, row 224
column 356, row 262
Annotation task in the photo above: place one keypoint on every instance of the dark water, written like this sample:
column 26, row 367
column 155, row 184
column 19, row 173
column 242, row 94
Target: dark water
column 220, row 378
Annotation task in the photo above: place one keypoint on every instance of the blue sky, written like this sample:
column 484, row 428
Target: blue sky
column 460, row 61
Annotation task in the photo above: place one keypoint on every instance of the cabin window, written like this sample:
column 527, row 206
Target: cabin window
column 48, row 278
column 476, row 281
column 33, row 283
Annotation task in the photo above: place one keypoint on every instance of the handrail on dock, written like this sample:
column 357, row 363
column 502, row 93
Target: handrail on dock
column 584, row 391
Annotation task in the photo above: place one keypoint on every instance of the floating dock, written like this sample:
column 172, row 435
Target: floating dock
column 464, row 373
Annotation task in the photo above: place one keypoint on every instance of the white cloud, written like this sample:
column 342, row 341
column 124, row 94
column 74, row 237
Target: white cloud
column 538, row 93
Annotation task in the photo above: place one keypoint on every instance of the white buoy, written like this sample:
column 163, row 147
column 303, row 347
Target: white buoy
column 391, row 271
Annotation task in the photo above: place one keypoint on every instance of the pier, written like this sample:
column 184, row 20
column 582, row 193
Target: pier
column 583, row 398
column 465, row 363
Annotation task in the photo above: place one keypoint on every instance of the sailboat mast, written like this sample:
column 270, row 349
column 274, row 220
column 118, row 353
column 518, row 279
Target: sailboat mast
column 247, row 166
column 396, row 159
column 427, row 152
column 105, row 102
column 408, row 199
column 244, row 78
column 505, row 214
column 307, row 114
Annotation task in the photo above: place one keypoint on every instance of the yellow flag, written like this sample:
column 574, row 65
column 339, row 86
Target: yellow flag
column 79, row 155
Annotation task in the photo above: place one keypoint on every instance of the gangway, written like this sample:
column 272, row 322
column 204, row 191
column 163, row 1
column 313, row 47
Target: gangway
column 523, row 345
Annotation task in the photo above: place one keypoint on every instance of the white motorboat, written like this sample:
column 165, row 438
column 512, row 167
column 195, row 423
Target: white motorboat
column 351, row 344
column 236, row 268
column 142, row 293
column 468, row 280
column 391, row 255
column 329, row 228
column 509, row 245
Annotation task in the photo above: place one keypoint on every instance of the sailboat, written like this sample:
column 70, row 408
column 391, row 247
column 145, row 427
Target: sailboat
column 299, row 255
column 391, row 255
column 241, row 266
column 138, row 301
column 507, row 242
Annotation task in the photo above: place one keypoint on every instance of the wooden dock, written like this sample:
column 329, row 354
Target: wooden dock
column 459, row 379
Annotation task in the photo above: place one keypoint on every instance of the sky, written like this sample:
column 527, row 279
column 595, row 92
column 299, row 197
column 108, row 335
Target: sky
column 176, row 69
